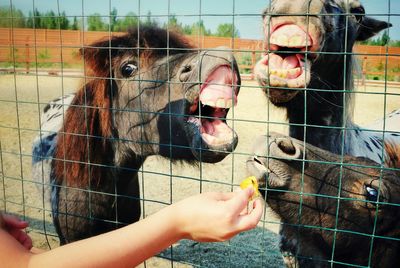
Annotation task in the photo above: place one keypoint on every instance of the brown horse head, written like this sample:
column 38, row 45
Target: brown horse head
column 149, row 92
column 306, row 38
column 329, row 205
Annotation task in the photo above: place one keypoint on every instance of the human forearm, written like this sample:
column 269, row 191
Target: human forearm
column 205, row 217
column 125, row 247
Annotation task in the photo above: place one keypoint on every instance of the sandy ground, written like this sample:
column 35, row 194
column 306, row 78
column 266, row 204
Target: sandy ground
column 161, row 180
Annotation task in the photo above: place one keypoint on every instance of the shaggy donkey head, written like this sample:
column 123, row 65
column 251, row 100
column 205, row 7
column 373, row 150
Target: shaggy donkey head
column 309, row 186
column 306, row 40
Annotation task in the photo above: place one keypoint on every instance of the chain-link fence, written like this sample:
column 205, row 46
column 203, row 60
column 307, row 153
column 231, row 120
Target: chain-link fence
column 111, row 111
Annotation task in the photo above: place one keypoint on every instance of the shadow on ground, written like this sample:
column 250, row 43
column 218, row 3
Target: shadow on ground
column 255, row 248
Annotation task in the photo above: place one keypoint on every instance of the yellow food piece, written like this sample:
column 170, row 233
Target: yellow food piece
column 253, row 182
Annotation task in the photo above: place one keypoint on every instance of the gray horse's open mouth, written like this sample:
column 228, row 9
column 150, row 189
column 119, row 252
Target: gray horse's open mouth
column 208, row 112
column 287, row 62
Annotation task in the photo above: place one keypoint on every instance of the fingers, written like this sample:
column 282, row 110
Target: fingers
column 239, row 202
column 26, row 241
column 11, row 221
column 23, row 238
column 249, row 221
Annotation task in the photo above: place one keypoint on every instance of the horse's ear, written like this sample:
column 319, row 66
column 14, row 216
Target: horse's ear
column 370, row 27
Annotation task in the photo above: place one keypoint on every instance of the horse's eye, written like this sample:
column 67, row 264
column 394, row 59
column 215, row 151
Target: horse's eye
column 371, row 194
column 359, row 13
column 128, row 69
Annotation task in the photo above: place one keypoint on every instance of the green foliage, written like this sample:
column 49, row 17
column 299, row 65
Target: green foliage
column 129, row 21
column 149, row 21
column 47, row 20
column 382, row 40
column 174, row 25
column 75, row 24
column 96, row 23
column 197, row 28
column 11, row 17
column 44, row 55
column 63, row 21
column 227, row 30
column 113, row 22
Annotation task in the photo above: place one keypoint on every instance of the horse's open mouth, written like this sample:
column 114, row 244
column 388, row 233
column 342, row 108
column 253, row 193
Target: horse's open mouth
column 287, row 63
column 217, row 94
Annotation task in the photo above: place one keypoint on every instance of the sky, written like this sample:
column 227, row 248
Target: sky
column 245, row 14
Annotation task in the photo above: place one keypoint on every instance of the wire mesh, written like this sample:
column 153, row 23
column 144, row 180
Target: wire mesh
column 38, row 65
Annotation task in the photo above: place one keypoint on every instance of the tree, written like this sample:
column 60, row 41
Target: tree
column 96, row 23
column 129, row 21
column 9, row 16
column 198, row 28
column 29, row 20
column 227, row 30
column 113, row 18
column 64, row 21
column 385, row 39
column 174, row 25
column 75, row 25
column 149, row 21
column 187, row 29
column 37, row 18
column 48, row 21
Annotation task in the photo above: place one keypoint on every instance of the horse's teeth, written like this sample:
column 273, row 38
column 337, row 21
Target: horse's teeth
column 209, row 103
column 296, row 40
column 273, row 40
column 289, row 41
column 293, row 71
column 219, row 103
column 283, row 40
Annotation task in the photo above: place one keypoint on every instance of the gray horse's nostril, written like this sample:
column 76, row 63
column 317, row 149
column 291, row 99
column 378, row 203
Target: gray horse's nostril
column 186, row 69
column 185, row 73
column 257, row 161
column 286, row 146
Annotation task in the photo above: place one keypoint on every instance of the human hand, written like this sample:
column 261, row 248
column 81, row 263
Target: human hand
column 212, row 217
column 14, row 226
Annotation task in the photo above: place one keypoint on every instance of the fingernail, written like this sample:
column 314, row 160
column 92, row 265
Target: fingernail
column 251, row 189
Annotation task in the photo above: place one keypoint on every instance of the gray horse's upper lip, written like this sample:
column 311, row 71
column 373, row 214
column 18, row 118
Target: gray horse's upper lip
column 208, row 111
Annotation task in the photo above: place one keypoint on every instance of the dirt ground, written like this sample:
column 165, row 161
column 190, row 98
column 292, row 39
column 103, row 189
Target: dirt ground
column 21, row 98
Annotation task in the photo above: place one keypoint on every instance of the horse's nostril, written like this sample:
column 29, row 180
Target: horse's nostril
column 257, row 160
column 186, row 69
column 185, row 73
column 287, row 146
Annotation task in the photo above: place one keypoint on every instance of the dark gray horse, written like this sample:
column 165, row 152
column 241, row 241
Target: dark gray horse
column 319, row 229
column 146, row 93
column 308, row 70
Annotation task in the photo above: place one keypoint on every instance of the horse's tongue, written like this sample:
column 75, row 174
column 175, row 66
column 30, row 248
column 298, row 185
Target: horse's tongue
column 289, row 62
column 217, row 91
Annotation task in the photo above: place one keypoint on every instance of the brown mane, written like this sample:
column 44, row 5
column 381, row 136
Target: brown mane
column 393, row 155
column 84, row 147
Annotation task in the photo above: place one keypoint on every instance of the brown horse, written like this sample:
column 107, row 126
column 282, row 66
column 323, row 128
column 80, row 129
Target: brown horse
column 335, row 211
column 148, row 92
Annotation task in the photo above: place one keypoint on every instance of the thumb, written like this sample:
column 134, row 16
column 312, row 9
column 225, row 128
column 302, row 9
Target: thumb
column 238, row 202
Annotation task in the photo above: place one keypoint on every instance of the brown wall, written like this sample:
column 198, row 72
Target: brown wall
column 55, row 46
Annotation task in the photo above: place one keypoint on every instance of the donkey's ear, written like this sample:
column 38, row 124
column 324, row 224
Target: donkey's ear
column 370, row 27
